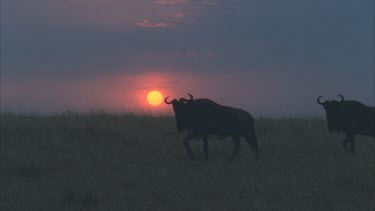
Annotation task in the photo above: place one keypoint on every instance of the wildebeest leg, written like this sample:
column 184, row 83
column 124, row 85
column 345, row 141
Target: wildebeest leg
column 343, row 144
column 187, row 146
column 251, row 140
column 205, row 147
column 352, row 144
column 349, row 139
column 237, row 147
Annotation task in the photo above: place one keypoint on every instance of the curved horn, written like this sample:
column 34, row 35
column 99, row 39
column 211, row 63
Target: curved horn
column 342, row 98
column 318, row 100
column 183, row 100
column 191, row 97
column 166, row 100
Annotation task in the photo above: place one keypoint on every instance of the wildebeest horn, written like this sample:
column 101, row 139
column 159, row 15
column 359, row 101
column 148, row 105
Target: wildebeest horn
column 318, row 100
column 342, row 98
column 166, row 100
column 191, row 97
column 186, row 100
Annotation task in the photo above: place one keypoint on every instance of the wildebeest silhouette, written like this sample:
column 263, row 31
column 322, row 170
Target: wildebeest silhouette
column 203, row 118
column 350, row 117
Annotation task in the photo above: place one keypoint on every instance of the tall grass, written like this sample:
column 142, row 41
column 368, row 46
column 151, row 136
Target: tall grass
column 104, row 161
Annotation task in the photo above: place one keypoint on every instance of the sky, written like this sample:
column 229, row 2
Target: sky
column 269, row 57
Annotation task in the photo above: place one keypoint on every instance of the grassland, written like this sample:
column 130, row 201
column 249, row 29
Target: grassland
column 126, row 162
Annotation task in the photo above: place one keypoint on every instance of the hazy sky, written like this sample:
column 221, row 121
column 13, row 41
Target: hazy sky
column 270, row 57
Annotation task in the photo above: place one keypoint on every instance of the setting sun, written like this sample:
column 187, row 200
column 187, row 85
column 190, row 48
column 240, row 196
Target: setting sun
column 154, row 98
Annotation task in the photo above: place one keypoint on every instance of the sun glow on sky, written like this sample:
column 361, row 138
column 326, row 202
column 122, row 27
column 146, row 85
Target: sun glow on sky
column 154, row 98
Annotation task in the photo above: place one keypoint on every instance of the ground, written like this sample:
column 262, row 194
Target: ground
column 127, row 162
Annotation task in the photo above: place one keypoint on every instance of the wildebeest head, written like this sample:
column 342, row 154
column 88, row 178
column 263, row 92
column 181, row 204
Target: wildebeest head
column 181, row 110
column 333, row 112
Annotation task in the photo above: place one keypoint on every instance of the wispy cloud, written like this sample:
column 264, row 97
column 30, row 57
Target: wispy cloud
column 178, row 15
column 204, row 2
column 149, row 24
column 208, row 2
column 170, row 1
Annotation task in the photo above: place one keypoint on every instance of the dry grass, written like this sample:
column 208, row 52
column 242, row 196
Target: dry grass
column 126, row 162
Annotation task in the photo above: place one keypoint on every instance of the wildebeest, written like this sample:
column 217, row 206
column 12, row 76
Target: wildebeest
column 350, row 117
column 203, row 118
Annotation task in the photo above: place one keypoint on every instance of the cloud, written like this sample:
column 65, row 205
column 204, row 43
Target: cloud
column 179, row 15
column 204, row 2
column 208, row 2
column 147, row 23
column 170, row 1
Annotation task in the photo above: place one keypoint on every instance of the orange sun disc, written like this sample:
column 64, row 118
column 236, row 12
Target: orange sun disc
column 154, row 98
